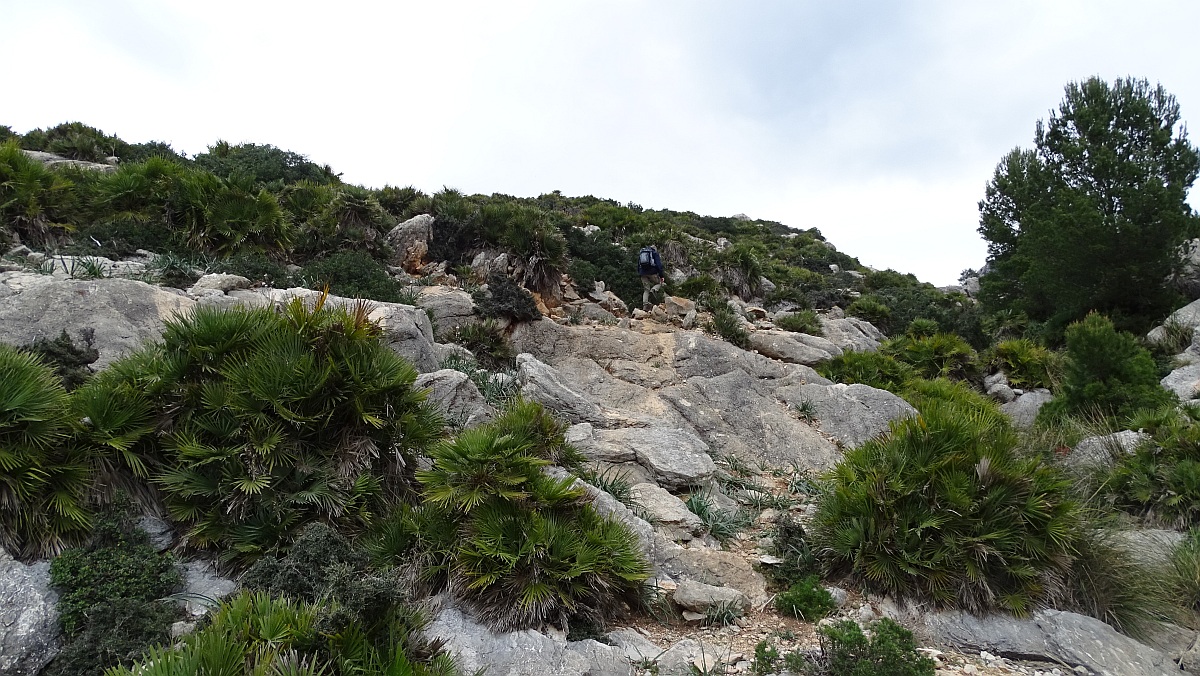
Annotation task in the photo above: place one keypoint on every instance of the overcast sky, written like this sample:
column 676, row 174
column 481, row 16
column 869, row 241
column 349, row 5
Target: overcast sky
column 878, row 122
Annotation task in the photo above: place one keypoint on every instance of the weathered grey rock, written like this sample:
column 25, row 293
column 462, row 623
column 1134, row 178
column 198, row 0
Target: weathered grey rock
column 851, row 413
column 1024, row 409
column 522, row 653
column 29, row 636
column 1103, row 450
column 204, row 588
column 540, row 382
column 1002, row 393
column 159, row 532
column 1053, row 636
column 1187, row 279
column 410, row 241
column 689, row 655
column 638, row 649
column 1183, row 381
column 699, row 597
column 971, row 286
column 678, row 307
column 997, row 378
column 218, row 282
column 851, row 334
column 666, row 512
column 840, row 596
column 53, row 161
column 450, row 308
column 676, row 458
column 124, row 313
column 456, row 397
column 790, row 347
column 734, row 415
column 712, row 566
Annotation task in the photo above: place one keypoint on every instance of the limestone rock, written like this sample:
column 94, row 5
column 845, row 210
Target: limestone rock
column 218, row 282
column 851, row 334
column 793, row 347
column 688, row 656
column 29, row 636
column 699, row 597
column 203, row 587
column 1183, row 381
column 450, row 308
column 1052, row 636
column 522, row 653
column 637, row 648
column 853, row 414
column 1102, row 450
column 1024, row 409
column 410, row 241
column 456, row 397
column 676, row 458
column 540, row 382
column 124, row 313
column 53, row 161
column 159, row 532
column 667, row 511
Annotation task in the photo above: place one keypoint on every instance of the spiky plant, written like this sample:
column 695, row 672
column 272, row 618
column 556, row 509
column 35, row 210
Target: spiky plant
column 1026, row 363
column 37, row 203
column 43, row 476
column 868, row 368
column 487, row 341
column 942, row 355
column 538, row 427
column 942, row 510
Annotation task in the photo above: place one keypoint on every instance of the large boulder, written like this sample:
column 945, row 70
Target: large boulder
column 1101, row 450
column 699, row 597
column 450, row 308
column 666, row 512
column 794, row 348
column 124, row 313
column 204, row 587
column 476, row 648
column 852, row 414
column 540, row 382
column 735, row 416
column 1024, row 409
column 1183, row 381
column 852, row 334
column 52, row 161
column 410, row 241
column 29, row 636
column 1052, row 636
column 456, row 397
column 675, row 458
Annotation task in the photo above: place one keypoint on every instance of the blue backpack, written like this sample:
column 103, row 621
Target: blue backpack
column 648, row 262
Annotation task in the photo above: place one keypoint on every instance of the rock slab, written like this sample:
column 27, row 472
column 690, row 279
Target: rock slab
column 29, row 636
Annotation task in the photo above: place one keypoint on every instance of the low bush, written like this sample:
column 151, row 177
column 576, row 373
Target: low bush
column 257, row 267
column 352, row 274
column 941, row 355
column 1110, row 585
column 791, row 544
column 802, row 321
column 723, row 524
column 111, row 597
column 867, row 368
column 871, row 309
column 942, row 510
column 1160, row 481
column 806, row 600
column 1026, row 364
column 497, row 387
column 1106, row 371
column 726, row 323
column 504, row 298
column 37, row 203
column 69, row 361
column 1184, row 574
column 487, row 342
column 847, row 651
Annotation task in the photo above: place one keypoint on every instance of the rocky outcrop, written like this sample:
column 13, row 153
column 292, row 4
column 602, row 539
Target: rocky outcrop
column 449, row 308
column 540, row 382
column 1101, row 451
column 1051, row 636
column 699, row 597
column 456, row 397
column 851, row 333
column 1183, row 381
column 53, row 161
column 29, row 636
column 666, row 512
column 410, row 241
column 675, row 458
column 794, row 348
column 852, row 414
column 219, row 282
column 1024, row 409
column 124, row 313
column 522, row 653
column 204, row 588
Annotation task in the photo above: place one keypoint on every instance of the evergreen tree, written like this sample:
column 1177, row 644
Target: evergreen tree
column 1092, row 218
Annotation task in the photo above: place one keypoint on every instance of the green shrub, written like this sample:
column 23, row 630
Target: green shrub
column 806, row 600
column 525, row 550
column 352, row 274
column 922, row 393
column 1027, row 364
column 255, row 634
column 497, row 387
column 867, row 368
column 890, row 649
column 1116, row 588
column 121, row 238
column 723, row 524
column 1160, row 481
column 701, row 285
column 1184, row 573
column 922, row 328
column 487, row 342
column 531, row 236
column 540, row 430
column 871, row 309
column 111, row 593
column 70, row 362
column 802, row 321
column 44, row 478
column 942, row 510
column 264, row 163
column 791, row 544
column 504, row 298
column 741, row 270
column 941, row 355
column 37, row 203
column 728, row 325
column 257, row 267
column 1106, row 371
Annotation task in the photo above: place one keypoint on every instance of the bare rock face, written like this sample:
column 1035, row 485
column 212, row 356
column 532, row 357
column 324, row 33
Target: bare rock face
column 794, row 348
column 667, row 512
column 1024, row 409
column 410, row 241
column 675, row 458
column 851, row 333
column 699, row 597
column 456, row 397
column 523, row 653
column 451, row 308
column 124, row 313
column 853, row 414
column 1102, row 450
column 29, row 636
column 52, row 161
column 1052, row 636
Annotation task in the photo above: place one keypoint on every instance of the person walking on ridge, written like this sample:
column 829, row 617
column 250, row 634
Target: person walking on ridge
column 650, row 268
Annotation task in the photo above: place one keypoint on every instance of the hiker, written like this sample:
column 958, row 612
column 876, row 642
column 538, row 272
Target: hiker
column 650, row 267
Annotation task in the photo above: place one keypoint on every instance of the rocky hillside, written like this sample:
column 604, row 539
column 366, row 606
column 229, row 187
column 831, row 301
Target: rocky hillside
column 776, row 474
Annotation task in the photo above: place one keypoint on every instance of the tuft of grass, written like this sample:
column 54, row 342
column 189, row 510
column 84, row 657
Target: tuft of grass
column 723, row 524
column 722, row 614
column 612, row 481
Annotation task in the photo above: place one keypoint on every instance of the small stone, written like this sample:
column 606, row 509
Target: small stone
column 689, row 616
column 182, row 628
